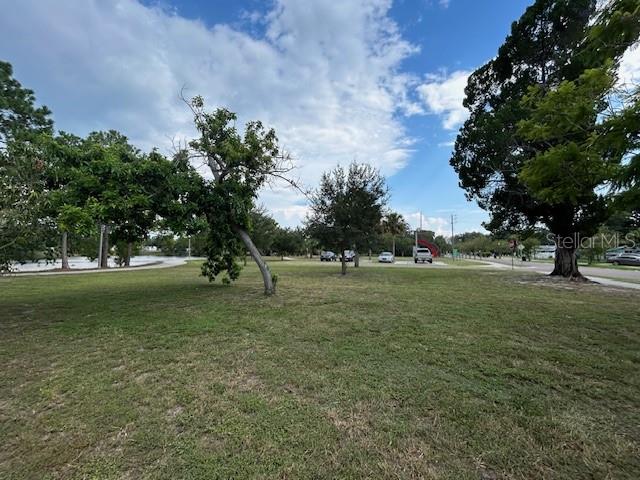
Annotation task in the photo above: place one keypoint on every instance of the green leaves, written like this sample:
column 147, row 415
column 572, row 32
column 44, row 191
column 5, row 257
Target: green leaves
column 563, row 131
column 241, row 165
column 540, row 145
column 20, row 118
column 348, row 206
column 76, row 219
column 23, row 125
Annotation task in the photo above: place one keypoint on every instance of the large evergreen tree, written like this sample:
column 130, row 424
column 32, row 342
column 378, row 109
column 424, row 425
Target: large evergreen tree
column 531, row 151
column 22, row 183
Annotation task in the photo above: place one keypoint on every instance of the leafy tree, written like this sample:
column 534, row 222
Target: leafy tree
column 443, row 245
column 405, row 244
column 347, row 208
column 22, row 184
column 146, row 189
column 240, row 165
column 623, row 222
column 20, row 119
column 289, row 241
column 531, row 150
column 187, row 191
column 264, row 229
column 111, row 139
column 72, row 212
column 119, row 187
column 530, row 245
column 394, row 224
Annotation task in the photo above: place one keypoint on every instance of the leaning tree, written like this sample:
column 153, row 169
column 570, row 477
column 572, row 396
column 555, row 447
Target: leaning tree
column 531, row 151
column 240, row 166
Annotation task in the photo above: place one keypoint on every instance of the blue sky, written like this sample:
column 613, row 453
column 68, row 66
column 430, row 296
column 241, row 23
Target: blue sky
column 370, row 80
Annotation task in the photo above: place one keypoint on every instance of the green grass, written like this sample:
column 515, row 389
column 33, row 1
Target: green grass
column 387, row 373
column 460, row 262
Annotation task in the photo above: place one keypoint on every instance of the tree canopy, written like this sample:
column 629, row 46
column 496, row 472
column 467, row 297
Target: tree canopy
column 22, row 185
column 347, row 208
column 240, row 165
column 533, row 148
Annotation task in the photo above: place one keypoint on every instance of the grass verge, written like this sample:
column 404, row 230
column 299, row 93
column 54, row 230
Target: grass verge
column 384, row 373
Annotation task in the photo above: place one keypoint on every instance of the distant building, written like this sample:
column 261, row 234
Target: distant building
column 545, row 252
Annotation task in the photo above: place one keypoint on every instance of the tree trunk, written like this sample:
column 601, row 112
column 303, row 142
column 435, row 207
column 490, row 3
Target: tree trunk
column 566, row 263
column 104, row 255
column 127, row 259
column 344, row 263
column 394, row 245
column 356, row 260
column 64, row 251
column 269, row 287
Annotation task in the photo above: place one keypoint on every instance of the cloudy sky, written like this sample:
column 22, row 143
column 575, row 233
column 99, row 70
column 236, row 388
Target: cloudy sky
column 367, row 80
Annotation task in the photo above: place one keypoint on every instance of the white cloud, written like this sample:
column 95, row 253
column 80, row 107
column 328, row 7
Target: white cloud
column 443, row 94
column 331, row 88
column 439, row 225
column 629, row 72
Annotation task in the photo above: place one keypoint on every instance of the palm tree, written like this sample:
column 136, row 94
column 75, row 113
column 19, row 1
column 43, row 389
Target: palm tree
column 394, row 224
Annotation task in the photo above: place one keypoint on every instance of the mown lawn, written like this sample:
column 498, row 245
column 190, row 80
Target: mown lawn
column 387, row 373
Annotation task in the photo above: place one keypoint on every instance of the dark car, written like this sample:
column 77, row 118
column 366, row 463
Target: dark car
column 328, row 256
column 626, row 259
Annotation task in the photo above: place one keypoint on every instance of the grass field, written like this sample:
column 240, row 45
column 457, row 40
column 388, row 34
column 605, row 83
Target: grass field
column 387, row 373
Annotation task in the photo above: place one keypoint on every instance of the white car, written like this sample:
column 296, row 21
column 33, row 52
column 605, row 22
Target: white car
column 386, row 257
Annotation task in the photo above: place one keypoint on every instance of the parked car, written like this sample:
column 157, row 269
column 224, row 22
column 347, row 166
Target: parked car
column 421, row 254
column 328, row 256
column 349, row 255
column 625, row 259
column 386, row 257
column 614, row 252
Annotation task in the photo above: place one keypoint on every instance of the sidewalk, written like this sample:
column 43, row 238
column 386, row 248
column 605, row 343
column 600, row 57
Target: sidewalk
column 537, row 268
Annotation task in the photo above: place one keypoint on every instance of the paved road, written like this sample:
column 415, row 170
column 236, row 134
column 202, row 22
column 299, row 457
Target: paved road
column 402, row 263
column 606, row 276
column 546, row 267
